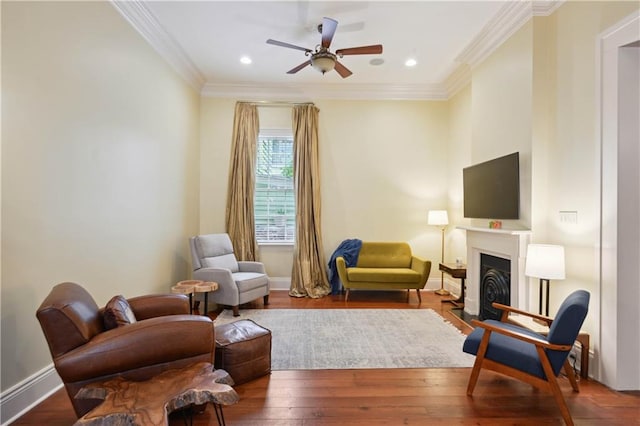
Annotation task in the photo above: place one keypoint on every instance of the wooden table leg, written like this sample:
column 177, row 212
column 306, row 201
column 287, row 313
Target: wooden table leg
column 583, row 339
column 459, row 302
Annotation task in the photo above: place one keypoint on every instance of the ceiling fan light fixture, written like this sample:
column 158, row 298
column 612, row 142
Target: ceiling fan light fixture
column 323, row 61
column 321, row 58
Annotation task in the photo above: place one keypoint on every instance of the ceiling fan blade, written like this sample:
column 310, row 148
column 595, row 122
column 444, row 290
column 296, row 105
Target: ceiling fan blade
column 362, row 50
column 299, row 67
column 290, row 46
column 342, row 70
column 328, row 30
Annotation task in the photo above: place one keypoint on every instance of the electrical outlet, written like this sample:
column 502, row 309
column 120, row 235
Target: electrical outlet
column 574, row 355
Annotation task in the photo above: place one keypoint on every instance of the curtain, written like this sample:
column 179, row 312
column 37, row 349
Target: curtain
column 239, row 219
column 309, row 275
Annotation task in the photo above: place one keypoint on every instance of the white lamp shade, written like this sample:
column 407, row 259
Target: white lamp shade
column 438, row 217
column 545, row 261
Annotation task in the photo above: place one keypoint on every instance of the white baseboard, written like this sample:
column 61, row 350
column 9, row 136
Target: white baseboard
column 284, row 283
column 450, row 284
column 279, row 283
column 22, row 397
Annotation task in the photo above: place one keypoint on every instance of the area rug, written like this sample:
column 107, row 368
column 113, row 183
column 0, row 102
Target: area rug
column 314, row 339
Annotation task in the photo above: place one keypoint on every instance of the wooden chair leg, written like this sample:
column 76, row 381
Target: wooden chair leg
column 554, row 387
column 236, row 311
column 346, row 295
column 419, row 296
column 477, row 366
column 266, row 299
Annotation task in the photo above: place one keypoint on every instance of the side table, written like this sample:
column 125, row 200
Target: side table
column 205, row 287
column 195, row 286
column 149, row 402
column 185, row 287
column 456, row 270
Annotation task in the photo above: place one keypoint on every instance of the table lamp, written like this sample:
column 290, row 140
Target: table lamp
column 440, row 218
column 546, row 262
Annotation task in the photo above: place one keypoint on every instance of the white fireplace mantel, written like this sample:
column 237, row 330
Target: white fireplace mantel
column 505, row 243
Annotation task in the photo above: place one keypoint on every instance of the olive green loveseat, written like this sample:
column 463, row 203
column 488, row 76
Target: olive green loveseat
column 384, row 266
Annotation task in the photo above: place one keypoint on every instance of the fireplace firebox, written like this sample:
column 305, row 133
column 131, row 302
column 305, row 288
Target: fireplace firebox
column 495, row 285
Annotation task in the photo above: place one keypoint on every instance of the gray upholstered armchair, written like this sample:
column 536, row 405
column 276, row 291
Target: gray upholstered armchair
column 239, row 281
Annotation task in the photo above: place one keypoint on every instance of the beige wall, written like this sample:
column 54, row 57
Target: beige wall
column 459, row 157
column 383, row 166
column 574, row 157
column 99, row 166
column 501, row 113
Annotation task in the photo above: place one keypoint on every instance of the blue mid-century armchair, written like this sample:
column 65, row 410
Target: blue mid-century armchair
column 528, row 356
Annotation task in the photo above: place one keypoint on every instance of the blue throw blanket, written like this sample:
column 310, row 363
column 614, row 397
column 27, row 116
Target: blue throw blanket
column 349, row 250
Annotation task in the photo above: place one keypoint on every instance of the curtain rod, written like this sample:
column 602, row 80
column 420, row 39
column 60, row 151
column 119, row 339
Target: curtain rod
column 277, row 103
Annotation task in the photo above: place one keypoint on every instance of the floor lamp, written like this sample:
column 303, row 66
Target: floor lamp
column 440, row 218
column 546, row 262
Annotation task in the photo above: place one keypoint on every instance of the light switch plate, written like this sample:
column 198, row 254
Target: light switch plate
column 568, row 216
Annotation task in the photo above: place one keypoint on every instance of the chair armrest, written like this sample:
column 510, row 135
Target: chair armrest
column 158, row 305
column 227, row 292
column 219, row 275
column 421, row 266
column 521, row 336
column 248, row 266
column 141, row 344
column 341, row 267
column 506, row 310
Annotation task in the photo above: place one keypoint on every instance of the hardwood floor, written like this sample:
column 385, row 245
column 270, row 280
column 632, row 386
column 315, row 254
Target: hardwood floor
column 388, row 396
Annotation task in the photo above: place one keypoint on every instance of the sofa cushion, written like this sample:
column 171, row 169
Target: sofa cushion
column 507, row 350
column 227, row 261
column 118, row 313
column 249, row 280
column 383, row 275
column 216, row 251
column 384, row 255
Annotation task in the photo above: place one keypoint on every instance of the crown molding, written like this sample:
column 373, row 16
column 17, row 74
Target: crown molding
column 545, row 7
column 457, row 79
column 509, row 19
column 301, row 92
column 143, row 21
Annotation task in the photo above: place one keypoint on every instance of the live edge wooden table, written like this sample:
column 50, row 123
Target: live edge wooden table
column 456, row 270
column 149, row 402
column 195, row 286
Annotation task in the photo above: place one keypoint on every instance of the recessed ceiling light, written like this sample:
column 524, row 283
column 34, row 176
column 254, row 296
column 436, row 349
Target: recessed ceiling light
column 376, row 61
column 245, row 60
column 411, row 62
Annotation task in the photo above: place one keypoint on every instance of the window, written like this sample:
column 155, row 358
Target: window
column 274, row 199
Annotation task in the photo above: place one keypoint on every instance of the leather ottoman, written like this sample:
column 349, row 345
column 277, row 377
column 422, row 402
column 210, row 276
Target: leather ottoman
column 243, row 349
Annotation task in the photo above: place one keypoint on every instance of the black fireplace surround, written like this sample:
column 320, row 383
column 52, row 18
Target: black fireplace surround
column 495, row 285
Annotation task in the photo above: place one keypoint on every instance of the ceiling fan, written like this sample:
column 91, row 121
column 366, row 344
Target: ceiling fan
column 321, row 57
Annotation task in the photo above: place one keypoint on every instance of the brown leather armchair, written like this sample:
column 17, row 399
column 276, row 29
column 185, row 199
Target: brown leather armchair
column 164, row 336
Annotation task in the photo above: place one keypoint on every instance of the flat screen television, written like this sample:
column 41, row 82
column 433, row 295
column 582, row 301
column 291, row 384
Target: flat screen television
column 492, row 188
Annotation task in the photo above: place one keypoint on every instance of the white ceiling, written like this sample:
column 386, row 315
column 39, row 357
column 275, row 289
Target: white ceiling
column 204, row 41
